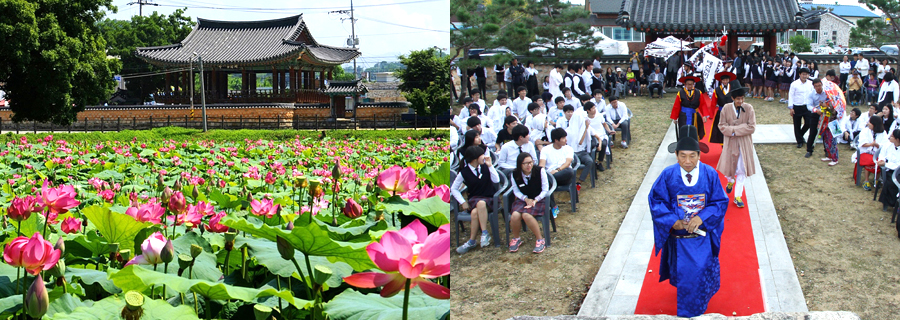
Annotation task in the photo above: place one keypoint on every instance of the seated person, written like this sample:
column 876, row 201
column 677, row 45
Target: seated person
column 598, row 100
column 471, row 138
column 869, row 141
column 571, row 99
column 485, row 121
column 454, row 139
column 530, row 186
column 578, row 130
column 459, row 121
column 850, row 128
column 489, row 137
column 505, row 134
column 599, row 132
column 476, row 98
column 617, row 117
column 888, row 159
column 536, row 122
column 497, row 112
column 506, row 160
column 479, row 177
column 585, row 98
column 520, row 104
column 557, row 160
column 555, row 114
column 540, row 101
column 563, row 122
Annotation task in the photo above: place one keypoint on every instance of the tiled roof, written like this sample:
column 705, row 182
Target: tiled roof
column 843, row 10
column 606, row 6
column 710, row 15
column 345, row 88
column 247, row 43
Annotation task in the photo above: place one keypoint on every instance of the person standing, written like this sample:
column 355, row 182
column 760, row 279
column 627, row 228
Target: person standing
column 556, row 80
column 481, row 79
column 738, row 123
column 722, row 97
column 517, row 75
column 687, row 197
column 690, row 106
column 531, row 79
column 500, row 71
column 801, row 110
column 844, row 67
column 862, row 64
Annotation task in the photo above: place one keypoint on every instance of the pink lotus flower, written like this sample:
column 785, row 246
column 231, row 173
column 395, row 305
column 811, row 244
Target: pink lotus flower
column 152, row 247
column 107, row 195
column 191, row 218
column 214, row 225
column 442, row 191
column 21, row 208
column 204, row 208
column 34, row 254
column 60, row 199
column 177, row 203
column 352, row 209
column 264, row 207
column 397, row 179
column 410, row 253
column 270, row 179
column 150, row 212
column 71, row 225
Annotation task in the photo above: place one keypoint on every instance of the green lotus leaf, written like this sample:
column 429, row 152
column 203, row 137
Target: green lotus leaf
column 111, row 309
column 352, row 305
column 432, row 210
column 115, row 227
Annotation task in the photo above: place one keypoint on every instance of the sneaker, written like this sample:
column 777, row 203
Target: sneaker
column 514, row 244
column 833, row 163
column 729, row 187
column 485, row 240
column 555, row 211
column 867, row 186
column 826, row 159
column 664, row 92
column 624, row 145
column 578, row 187
column 739, row 202
column 539, row 246
column 465, row 247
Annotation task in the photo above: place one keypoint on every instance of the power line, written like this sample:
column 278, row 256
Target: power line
column 405, row 26
column 216, row 7
column 141, row 4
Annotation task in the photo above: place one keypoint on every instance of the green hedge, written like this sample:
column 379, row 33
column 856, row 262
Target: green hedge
column 182, row 134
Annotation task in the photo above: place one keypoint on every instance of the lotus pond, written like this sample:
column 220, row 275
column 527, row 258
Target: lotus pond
column 294, row 229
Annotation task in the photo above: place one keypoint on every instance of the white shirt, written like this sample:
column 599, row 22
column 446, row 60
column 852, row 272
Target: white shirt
column 881, row 70
column 509, row 153
column 554, row 158
column 845, row 67
column 865, row 136
column 507, row 76
column 458, row 182
column 535, row 125
column 695, row 175
column 620, row 112
column 574, row 102
column 863, row 66
column 799, row 93
column 891, row 156
column 497, row 114
column 597, row 125
column 601, row 104
column 482, row 104
column 555, row 114
column 576, row 79
column 587, row 76
column 555, row 80
column 520, row 107
column 454, row 139
column 889, row 87
column 488, row 136
column 545, row 185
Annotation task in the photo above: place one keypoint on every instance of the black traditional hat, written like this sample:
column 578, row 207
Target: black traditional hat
column 688, row 141
column 737, row 90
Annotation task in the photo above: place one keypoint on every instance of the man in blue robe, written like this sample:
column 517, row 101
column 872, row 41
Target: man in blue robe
column 688, row 206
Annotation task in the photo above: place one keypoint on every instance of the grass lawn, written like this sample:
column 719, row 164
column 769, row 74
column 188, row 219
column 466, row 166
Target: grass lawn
column 844, row 247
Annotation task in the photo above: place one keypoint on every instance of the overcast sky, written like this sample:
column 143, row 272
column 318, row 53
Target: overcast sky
column 385, row 28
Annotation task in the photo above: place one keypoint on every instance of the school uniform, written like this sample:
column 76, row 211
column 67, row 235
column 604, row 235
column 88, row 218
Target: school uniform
column 479, row 184
column 534, row 186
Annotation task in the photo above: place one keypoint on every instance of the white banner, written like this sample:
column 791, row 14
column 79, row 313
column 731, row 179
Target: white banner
column 709, row 67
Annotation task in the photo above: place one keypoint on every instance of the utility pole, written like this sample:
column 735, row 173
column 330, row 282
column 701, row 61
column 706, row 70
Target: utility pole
column 202, row 89
column 353, row 41
column 141, row 4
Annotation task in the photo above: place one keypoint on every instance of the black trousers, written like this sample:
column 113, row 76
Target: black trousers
column 855, row 96
column 888, row 190
column 656, row 86
column 844, row 81
column 482, row 87
column 810, row 122
column 670, row 79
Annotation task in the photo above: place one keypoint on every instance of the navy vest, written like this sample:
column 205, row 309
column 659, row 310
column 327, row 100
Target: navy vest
column 478, row 187
column 533, row 188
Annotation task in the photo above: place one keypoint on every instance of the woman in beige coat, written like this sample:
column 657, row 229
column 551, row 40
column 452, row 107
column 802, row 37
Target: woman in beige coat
column 737, row 123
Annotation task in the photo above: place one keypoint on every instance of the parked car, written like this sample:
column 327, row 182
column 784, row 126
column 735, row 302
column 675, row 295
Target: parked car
column 890, row 49
column 482, row 53
column 866, row 51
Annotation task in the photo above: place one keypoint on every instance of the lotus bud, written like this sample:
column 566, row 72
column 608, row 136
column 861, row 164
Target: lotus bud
column 261, row 312
column 336, row 171
column 61, row 245
column 178, row 185
column 37, row 299
column 284, row 248
column 159, row 179
column 167, row 254
column 352, row 209
column 59, row 269
column 194, row 193
column 167, row 194
column 196, row 250
column 370, row 187
column 133, row 302
column 290, row 226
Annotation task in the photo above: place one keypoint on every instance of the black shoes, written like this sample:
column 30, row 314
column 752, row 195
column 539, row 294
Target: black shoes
column 799, row 145
column 599, row 166
column 808, row 154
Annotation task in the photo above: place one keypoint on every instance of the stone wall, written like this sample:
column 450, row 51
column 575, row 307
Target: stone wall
column 831, row 25
column 384, row 92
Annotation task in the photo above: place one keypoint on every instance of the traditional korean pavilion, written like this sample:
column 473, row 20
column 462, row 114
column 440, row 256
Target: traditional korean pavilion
column 284, row 48
column 707, row 18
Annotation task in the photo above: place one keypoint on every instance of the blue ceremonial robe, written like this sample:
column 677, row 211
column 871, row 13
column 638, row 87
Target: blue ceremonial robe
column 691, row 264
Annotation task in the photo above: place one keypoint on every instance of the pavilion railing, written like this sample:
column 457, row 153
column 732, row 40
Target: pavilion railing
column 239, row 96
column 296, row 122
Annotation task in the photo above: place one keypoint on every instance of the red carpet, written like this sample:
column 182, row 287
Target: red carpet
column 740, row 291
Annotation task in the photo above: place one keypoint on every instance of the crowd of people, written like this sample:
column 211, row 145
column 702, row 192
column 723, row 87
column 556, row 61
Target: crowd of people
column 531, row 129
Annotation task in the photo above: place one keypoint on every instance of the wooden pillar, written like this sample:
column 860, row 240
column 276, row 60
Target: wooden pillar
column 321, row 79
column 274, row 80
column 732, row 44
column 168, row 83
column 245, row 82
column 769, row 43
column 253, row 83
column 330, row 75
column 649, row 37
column 281, row 83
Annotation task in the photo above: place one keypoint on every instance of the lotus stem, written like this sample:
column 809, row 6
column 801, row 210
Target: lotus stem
column 153, row 286
column 19, row 229
column 17, row 280
column 406, row 300
column 244, row 262
column 165, row 270
column 46, row 222
column 312, row 283
column 278, row 282
column 227, row 261
column 209, row 307
column 306, row 285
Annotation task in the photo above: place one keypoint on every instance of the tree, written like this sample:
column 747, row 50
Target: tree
column 123, row 36
column 875, row 32
column 558, row 30
column 479, row 26
column 421, row 82
column 52, row 60
column 338, row 74
column 799, row 43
